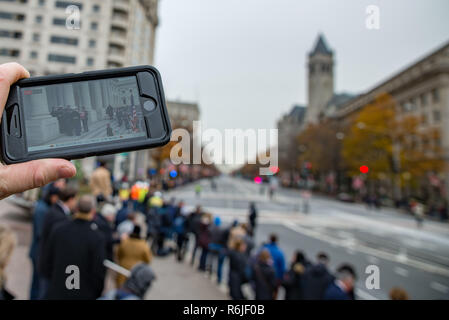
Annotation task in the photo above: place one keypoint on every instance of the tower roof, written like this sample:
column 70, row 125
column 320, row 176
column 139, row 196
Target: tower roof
column 321, row 47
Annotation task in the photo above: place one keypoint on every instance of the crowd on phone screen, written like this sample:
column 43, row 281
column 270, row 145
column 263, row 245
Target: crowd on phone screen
column 84, row 231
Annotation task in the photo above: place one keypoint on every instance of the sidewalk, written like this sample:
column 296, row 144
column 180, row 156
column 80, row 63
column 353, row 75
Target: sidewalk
column 179, row 281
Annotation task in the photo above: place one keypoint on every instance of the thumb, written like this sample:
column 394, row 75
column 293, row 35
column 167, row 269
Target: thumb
column 33, row 174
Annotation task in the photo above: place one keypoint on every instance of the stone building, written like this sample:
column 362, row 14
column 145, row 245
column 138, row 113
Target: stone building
column 43, row 36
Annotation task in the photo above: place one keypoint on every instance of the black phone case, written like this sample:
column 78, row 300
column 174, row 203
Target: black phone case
column 12, row 145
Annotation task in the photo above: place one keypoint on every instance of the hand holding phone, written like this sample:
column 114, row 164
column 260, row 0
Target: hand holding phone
column 93, row 113
column 20, row 177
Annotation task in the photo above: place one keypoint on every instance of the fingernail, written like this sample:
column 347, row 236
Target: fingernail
column 66, row 171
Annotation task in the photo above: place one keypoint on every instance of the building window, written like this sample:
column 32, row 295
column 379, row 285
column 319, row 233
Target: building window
column 36, row 37
column 33, row 54
column 61, row 58
column 435, row 96
column 59, row 21
column 9, row 52
column 41, row 3
column 92, row 43
column 38, row 19
column 10, row 34
column 96, row 8
column 423, row 98
column 65, row 4
column 94, row 26
column 90, row 62
column 64, row 40
column 19, row 1
column 436, row 116
column 12, row 16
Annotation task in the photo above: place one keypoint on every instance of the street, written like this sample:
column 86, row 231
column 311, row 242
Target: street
column 414, row 259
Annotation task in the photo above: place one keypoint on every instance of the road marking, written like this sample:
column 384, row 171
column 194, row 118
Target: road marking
column 401, row 271
column 439, row 287
column 366, row 250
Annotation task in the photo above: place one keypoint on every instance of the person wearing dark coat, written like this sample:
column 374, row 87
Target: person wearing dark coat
column 264, row 277
column 342, row 288
column 75, row 120
column 84, row 116
column 238, row 262
column 80, row 244
column 43, row 205
column 193, row 227
column 252, row 217
column 293, row 281
column 317, row 278
column 204, row 239
column 105, row 219
column 110, row 112
column 57, row 214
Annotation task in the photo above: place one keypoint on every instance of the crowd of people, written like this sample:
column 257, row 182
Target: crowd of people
column 73, row 232
column 71, row 120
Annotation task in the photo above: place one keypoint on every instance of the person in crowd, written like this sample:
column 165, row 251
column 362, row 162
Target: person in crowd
column 238, row 263
column 293, row 278
column 122, row 213
column 33, row 174
column 248, row 238
column 132, row 251
column 57, row 112
column 105, row 221
column 84, row 116
column 67, row 121
column 100, row 182
column 278, row 258
column 8, row 241
column 58, row 213
column 127, row 226
column 264, row 276
column 50, row 197
column 252, row 217
column 78, row 243
column 317, row 278
column 397, row 293
column 136, row 286
column 180, row 229
column 110, row 112
column 75, row 121
column 204, row 240
column 194, row 222
column 343, row 286
column 237, row 232
column 217, row 247
column 109, row 131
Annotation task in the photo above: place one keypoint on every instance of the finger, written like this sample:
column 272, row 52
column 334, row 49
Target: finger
column 23, row 176
column 9, row 73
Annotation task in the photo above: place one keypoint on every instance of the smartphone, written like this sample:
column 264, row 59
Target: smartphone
column 93, row 113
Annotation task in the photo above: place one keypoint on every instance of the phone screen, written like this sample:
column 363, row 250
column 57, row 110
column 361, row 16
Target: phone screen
column 83, row 112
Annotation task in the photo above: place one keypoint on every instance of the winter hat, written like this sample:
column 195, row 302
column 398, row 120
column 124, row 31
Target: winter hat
column 140, row 279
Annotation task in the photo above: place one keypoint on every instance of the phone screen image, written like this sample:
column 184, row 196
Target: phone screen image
column 83, row 112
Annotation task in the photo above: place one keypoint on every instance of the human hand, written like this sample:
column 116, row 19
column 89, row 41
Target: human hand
column 33, row 174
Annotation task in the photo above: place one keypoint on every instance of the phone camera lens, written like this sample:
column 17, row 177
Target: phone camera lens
column 149, row 105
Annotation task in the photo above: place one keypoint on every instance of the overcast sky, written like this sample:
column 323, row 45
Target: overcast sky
column 244, row 61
